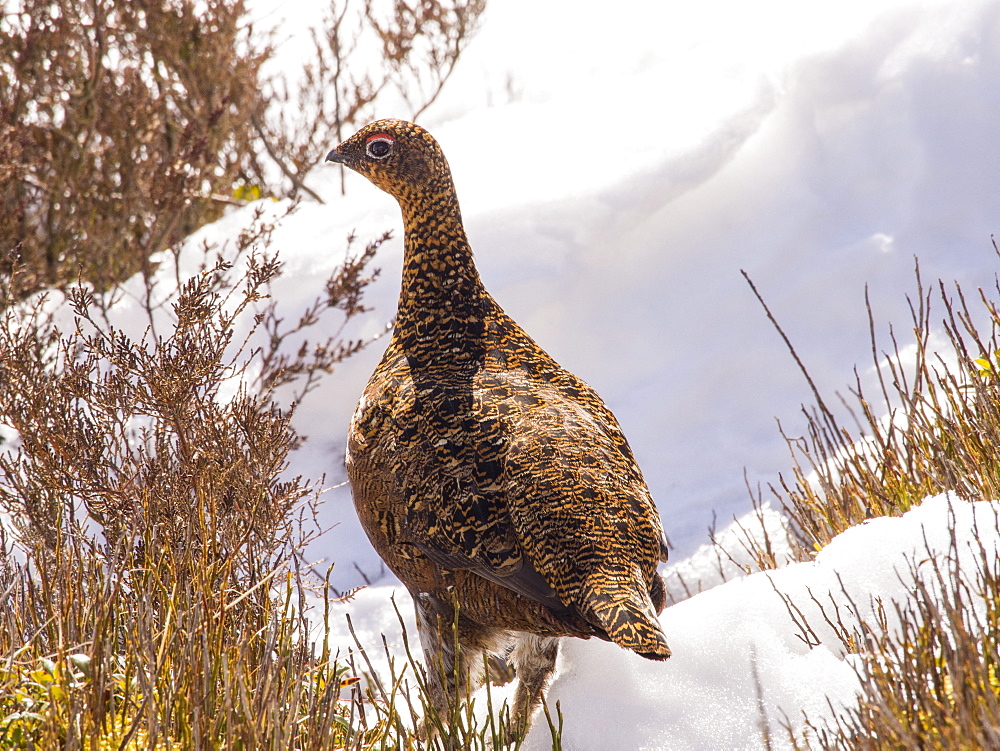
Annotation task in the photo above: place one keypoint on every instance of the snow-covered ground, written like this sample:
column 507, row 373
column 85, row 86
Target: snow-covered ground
column 741, row 663
column 649, row 155
column 618, row 165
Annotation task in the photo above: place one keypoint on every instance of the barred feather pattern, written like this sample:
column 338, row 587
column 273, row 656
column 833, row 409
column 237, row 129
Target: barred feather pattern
column 488, row 477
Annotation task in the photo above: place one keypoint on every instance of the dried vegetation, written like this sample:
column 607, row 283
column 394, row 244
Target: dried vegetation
column 126, row 126
column 153, row 592
column 928, row 665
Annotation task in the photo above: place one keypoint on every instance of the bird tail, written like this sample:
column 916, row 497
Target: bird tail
column 627, row 615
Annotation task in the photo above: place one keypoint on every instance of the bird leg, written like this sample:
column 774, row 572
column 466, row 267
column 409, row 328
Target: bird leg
column 534, row 660
column 455, row 664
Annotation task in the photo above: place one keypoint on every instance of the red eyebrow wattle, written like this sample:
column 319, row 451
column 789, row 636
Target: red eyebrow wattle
column 378, row 136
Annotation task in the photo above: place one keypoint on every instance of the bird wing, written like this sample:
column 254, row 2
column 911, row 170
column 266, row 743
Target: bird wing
column 584, row 516
column 576, row 496
column 528, row 488
column 453, row 492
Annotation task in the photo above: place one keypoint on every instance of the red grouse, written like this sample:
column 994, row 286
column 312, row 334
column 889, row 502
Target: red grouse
column 496, row 485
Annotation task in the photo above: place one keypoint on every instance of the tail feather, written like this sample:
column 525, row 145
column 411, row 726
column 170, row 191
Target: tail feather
column 627, row 614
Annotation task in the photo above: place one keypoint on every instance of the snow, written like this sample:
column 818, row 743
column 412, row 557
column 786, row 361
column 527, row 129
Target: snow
column 612, row 210
column 706, row 695
column 618, row 166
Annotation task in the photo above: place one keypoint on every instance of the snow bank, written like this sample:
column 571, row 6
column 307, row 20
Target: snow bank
column 739, row 663
column 616, row 191
column 705, row 697
column 614, row 183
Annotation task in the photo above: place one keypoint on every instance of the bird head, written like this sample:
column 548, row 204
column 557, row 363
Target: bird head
column 399, row 157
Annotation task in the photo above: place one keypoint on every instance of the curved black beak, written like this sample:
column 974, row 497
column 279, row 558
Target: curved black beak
column 336, row 156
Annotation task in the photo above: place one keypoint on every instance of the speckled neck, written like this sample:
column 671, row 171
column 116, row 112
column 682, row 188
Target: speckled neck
column 442, row 302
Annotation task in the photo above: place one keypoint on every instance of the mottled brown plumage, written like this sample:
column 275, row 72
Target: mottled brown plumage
column 485, row 474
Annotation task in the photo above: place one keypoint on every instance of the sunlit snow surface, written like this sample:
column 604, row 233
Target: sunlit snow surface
column 648, row 153
column 618, row 165
column 706, row 695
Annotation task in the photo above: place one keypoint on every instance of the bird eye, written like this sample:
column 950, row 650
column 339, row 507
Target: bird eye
column 378, row 147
